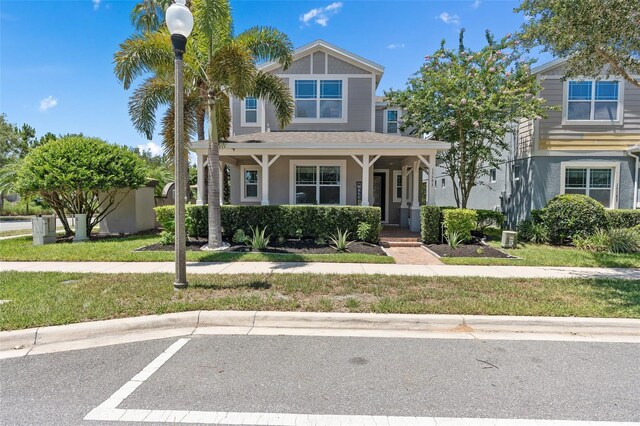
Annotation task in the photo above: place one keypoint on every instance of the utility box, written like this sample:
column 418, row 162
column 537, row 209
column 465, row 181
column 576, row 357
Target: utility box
column 509, row 239
column 44, row 230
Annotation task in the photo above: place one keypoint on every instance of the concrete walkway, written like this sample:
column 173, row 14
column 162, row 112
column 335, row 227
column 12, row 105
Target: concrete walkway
column 326, row 268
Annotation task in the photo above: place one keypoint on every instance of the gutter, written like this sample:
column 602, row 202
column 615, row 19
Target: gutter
column 635, row 179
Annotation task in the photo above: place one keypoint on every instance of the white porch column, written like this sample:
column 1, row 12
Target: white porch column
column 404, row 200
column 365, row 180
column 221, row 182
column 265, row 179
column 432, row 178
column 414, row 223
column 200, row 195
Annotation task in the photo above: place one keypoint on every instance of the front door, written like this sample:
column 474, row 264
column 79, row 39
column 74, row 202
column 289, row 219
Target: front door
column 379, row 195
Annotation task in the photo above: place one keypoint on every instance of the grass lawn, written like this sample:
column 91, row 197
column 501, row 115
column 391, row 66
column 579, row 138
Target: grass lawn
column 26, row 232
column 122, row 250
column 49, row 298
column 547, row 255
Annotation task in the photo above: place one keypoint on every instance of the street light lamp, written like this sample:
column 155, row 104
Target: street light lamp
column 180, row 22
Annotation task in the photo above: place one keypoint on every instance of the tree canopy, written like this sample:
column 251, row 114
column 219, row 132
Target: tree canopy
column 77, row 174
column 470, row 99
column 594, row 35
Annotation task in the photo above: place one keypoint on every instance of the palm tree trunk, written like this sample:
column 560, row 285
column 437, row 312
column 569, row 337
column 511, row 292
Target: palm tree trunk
column 215, row 228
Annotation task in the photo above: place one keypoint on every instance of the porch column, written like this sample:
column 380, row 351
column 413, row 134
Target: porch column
column 404, row 207
column 221, row 182
column 365, row 180
column 414, row 224
column 265, row 179
column 432, row 177
column 200, row 195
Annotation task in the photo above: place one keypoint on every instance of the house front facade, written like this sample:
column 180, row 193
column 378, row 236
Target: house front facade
column 589, row 146
column 343, row 146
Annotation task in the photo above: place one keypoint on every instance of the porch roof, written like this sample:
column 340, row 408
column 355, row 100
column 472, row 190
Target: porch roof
column 339, row 140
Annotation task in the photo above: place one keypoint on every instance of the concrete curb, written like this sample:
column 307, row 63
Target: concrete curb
column 190, row 322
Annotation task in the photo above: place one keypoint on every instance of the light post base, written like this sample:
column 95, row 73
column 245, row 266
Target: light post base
column 180, row 286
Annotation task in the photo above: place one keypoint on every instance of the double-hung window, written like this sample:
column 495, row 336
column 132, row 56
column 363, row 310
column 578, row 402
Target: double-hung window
column 397, row 186
column 318, row 99
column 596, row 183
column 249, row 112
column 250, row 183
column 318, row 183
column 391, row 122
column 593, row 101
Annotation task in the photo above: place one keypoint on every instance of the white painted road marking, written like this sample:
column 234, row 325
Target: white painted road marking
column 109, row 411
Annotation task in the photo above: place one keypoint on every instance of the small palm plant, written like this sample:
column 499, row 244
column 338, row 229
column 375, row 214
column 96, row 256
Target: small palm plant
column 258, row 241
column 339, row 240
column 454, row 239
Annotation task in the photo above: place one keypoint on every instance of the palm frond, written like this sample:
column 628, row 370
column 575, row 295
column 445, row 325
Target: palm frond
column 268, row 44
column 224, row 117
column 145, row 100
column 213, row 22
column 148, row 15
column 191, row 104
column 271, row 88
column 232, row 67
column 142, row 53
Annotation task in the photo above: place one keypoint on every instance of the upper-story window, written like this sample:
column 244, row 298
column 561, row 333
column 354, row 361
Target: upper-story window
column 392, row 121
column 250, row 116
column 593, row 101
column 318, row 99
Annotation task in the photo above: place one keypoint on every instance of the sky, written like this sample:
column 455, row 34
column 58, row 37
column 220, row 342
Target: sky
column 56, row 56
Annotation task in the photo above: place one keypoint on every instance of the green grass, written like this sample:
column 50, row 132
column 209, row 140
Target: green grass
column 547, row 255
column 25, row 232
column 122, row 250
column 50, row 298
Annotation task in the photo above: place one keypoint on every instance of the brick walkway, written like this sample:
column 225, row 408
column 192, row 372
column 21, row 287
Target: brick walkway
column 412, row 256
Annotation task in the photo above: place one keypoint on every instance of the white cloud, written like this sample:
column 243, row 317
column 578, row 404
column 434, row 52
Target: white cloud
column 396, row 46
column 48, row 103
column 320, row 15
column 96, row 4
column 475, row 4
column 449, row 19
column 152, row 147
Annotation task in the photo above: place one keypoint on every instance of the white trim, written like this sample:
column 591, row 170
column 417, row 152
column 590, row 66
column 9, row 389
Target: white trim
column 373, row 103
column 615, row 176
column 385, row 120
column 243, row 110
column 231, row 130
column 343, row 177
column 397, row 173
column 243, row 168
column 318, row 78
column 592, row 122
column 326, row 63
column 386, row 191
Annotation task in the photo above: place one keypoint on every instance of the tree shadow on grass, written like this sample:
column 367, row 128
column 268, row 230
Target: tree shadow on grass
column 609, row 260
column 622, row 297
column 254, row 284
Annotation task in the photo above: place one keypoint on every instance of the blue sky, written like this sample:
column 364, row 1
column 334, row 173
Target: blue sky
column 56, row 70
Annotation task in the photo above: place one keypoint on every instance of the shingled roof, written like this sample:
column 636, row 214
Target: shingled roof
column 328, row 138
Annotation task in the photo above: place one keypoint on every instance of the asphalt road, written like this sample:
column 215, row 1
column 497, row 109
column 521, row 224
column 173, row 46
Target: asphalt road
column 333, row 375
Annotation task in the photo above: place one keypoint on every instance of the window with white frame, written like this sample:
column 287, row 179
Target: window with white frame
column 250, row 114
column 443, row 183
column 595, row 182
column 318, row 182
column 392, row 121
column 318, row 99
column 516, row 170
column 493, row 175
column 250, row 183
column 397, row 186
column 589, row 100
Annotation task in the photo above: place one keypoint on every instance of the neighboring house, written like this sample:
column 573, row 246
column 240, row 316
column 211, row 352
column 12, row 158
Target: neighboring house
column 590, row 146
column 343, row 146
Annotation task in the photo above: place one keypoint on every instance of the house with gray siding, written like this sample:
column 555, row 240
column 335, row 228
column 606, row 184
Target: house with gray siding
column 589, row 146
column 343, row 146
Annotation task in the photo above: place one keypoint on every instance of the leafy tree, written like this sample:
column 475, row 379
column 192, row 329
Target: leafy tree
column 80, row 175
column 593, row 34
column 217, row 63
column 470, row 99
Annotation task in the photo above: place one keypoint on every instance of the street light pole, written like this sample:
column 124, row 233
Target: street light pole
column 180, row 22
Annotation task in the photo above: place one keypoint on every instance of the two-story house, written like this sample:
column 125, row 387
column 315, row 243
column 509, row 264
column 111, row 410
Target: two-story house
column 589, row 146
column 343, row 146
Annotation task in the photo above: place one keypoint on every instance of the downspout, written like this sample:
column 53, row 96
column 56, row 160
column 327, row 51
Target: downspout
column 635, row 180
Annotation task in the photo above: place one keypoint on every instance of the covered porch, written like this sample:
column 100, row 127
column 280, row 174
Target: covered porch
column 328, row 168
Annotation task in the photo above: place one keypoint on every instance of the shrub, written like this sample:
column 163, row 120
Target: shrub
column 239, row 237
column 623, row 218
column 454, row 239
column 430, row 220
column 258, row 241
column 283, row 221
column 167, row 238
column 532, row 232
column 488, row 218
column 624, row 240
column 339, row 240
column 572, row 215
column 598, row 241
column 460, row 221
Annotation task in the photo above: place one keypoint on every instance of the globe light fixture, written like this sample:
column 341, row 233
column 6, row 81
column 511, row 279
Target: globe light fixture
column 180, row 23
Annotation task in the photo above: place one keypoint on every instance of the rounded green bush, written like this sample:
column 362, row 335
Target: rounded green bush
column 572, row 215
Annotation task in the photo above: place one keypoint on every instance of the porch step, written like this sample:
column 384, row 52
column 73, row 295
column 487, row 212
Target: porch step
column 388, row 244
column 400, row 239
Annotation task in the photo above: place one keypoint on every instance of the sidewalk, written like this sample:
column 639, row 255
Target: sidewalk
column 325, row 268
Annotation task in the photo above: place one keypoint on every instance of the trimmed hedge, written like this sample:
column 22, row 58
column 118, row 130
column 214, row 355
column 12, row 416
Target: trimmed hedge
column 281, row 221
column 569, row 216
column 460, row 221
column 622, row 218
column 430, row 221
column 488, row 218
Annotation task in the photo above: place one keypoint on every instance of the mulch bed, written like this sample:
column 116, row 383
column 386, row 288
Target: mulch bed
column 467, row 250
column 288, row 246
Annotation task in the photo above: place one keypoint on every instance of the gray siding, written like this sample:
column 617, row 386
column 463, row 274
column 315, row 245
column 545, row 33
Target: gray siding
column 319, row 61
column 379, row 120
column 338, row 66
column 299, row 66
column 236, row 113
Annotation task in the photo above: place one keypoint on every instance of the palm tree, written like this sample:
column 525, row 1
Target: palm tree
column 148, row 15
column 217, row 64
